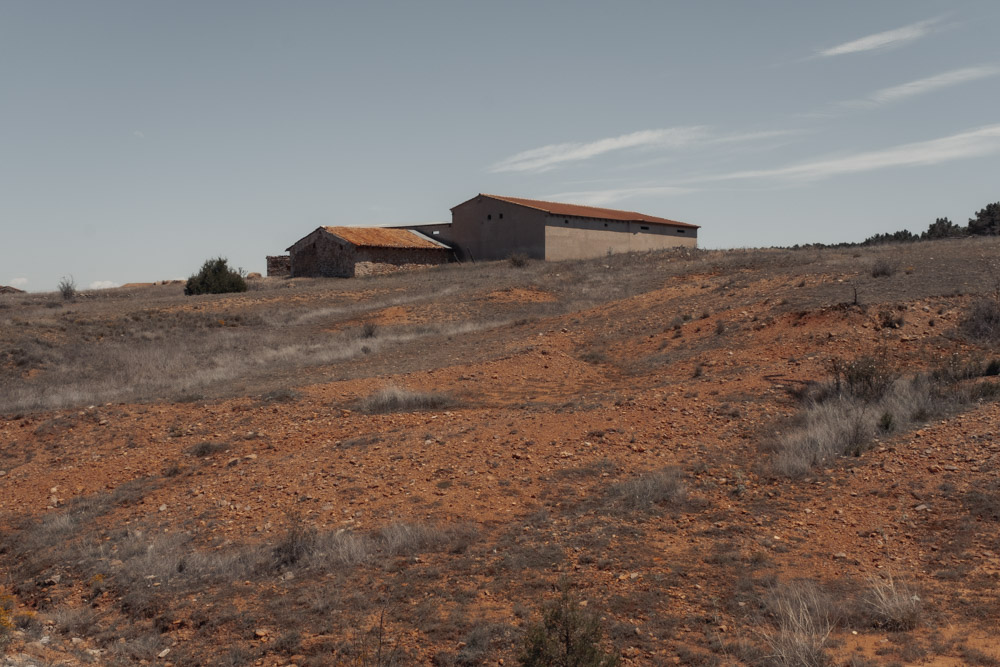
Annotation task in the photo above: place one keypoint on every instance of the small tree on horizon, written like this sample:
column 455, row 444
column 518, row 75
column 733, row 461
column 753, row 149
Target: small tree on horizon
column 215, row 277
column 987, row 221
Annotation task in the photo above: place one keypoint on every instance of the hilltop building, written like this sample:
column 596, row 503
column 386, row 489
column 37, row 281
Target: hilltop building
column 486, row 227
column 346, row 252
column 489, row 227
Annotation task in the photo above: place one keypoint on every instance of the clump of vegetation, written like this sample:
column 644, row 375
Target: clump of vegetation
column 215, row 277
column 863, row 399
column 518, row 259
column 981, row 321
column 892, row 605
column 67, row 287
column 397, row 399
column 867, row 377
column 369, row 329
column 883, row 267
column 984, row 501
column 803, row 617
column 6, row 619
column 654, row 489
column 567, row 635
column 207, row 448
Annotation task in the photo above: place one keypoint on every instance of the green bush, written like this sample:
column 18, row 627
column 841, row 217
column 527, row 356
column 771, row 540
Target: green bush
column 216, row 277
column 567, row 635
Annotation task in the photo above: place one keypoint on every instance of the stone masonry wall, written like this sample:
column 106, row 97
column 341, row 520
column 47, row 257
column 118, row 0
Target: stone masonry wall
column 279, row 266
column 378, row 261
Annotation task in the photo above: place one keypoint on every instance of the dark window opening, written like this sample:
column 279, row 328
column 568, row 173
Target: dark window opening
column 501, row 216
column 566, row 221
column 681, row 231
column 489, row 216
column 605, row 224
column 644, row 228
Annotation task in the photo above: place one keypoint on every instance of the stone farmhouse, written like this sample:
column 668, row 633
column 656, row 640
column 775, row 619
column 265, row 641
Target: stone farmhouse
column 346, row 252
column 489, row 227
column 486, row 227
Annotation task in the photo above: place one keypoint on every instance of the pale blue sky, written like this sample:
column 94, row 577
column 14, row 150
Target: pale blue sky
column 137, row 139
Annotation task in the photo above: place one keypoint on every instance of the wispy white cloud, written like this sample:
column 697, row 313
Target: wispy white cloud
column 974, row 143
column 884, row 40
column 610, row 196
column 549, row 157
column 552, row 155
column 103, row 284
column 927, row 85
column 18, row 282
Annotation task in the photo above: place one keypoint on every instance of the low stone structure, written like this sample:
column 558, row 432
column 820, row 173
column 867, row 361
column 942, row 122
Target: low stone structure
column 279, row 266
column 346, row 252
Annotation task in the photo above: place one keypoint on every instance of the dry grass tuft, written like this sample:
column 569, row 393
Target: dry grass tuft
column 662, row 488
column 397, row 399
column 803, row 617
column 892, row 605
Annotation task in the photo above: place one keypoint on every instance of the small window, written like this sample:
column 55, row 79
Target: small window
column 489, row 216
column 644, row 228
column 501, row 216
column 605, row 224
column 681, row 231
column 566, row 221
column 435, row 233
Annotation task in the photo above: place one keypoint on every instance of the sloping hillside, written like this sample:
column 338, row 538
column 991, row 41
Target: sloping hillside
column 739, row 457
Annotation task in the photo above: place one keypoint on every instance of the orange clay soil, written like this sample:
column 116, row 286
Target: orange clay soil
column 547, row 417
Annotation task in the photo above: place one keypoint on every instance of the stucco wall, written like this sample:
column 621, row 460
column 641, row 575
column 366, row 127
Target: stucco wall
column 488, row 229
column 582, row 238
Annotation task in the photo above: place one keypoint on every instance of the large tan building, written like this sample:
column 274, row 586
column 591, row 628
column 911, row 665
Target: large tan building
column 490, row 227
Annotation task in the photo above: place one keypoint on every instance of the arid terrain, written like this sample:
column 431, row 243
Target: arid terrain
column 753, row 457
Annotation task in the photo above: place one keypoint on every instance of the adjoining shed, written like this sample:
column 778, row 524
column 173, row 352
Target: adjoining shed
column 490, row 227
column 346, row 252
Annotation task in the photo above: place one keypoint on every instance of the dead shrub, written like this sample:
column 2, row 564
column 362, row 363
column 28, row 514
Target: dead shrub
column 867, row 377
column 883, row 267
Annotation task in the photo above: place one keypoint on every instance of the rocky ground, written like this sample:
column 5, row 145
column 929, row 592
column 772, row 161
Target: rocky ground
column 606, row 428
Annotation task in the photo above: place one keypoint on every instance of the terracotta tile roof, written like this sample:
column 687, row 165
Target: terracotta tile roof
column 383, row 237
column 578, row 211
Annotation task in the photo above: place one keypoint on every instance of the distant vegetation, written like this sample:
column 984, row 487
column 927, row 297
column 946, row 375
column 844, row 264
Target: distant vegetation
column 216, row 277
column 986, row 223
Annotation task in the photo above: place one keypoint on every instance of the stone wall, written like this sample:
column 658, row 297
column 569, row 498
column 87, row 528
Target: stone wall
column 279, row 266
column 320, row 255
column 379, row 261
